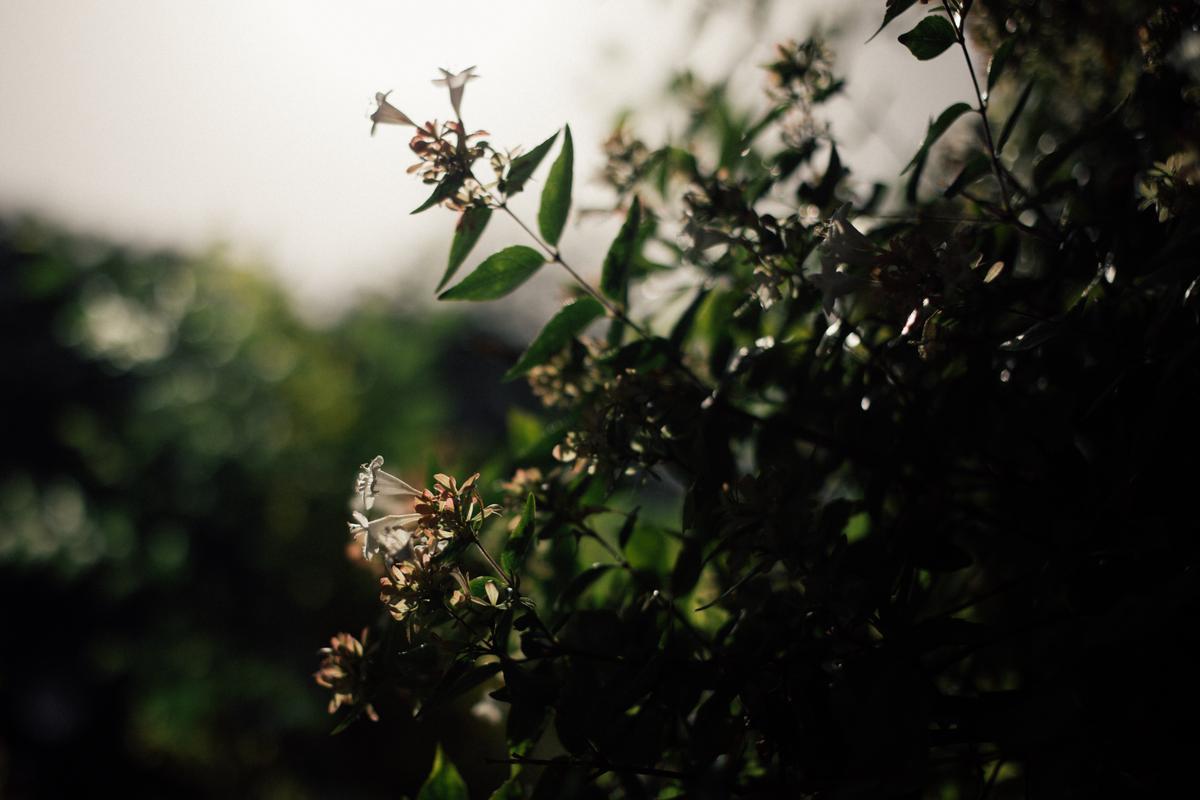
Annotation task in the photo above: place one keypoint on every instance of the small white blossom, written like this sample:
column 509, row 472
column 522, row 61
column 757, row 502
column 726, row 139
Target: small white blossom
column 373, row 482
column 388, row 114
column 455, row 83
column 387, row 535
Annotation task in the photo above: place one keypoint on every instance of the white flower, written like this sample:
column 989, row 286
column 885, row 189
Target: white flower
column 373, row 481
column 388, row 113
column 846, row 255
column 387, row 535
column 455, row 83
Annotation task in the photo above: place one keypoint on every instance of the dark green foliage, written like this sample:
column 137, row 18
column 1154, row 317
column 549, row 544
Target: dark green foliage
column 516, row 548
column 444, row 782
column 564, row 326
column 443, row 191
column 470, row 227
column 556, row 196
column 614, row 279
column 894, row 9
column 894, row 514
column 498, row 275
column 170, row 609
column 523, row 166
column 932, row 37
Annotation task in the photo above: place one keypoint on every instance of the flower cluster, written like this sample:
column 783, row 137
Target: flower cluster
column 801, row 77
column 626, row 160
column 1170, row 187
column 410, row 543
column 420, row 582
column 446, row 152
column 342, row 670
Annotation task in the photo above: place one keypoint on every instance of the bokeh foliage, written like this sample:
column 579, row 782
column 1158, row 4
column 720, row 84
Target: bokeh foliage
column 172, row 488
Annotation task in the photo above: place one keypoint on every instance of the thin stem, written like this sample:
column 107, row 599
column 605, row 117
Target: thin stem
column 997, row 169
column 556, row 257
column 465, row 527
column 986, row 789
column 612, row 309
column 470, row 628
column 614, row 552
column 491, row 561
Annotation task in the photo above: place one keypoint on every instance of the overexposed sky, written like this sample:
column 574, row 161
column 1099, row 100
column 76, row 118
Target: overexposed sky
column 243, row 122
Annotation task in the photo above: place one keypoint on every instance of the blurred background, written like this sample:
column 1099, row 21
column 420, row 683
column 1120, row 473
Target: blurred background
column 215, row 304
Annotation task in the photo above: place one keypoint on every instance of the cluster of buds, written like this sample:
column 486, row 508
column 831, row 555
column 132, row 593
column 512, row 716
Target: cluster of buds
column 1171, row 187
column 626, row 160
column 567, row 377
column 342, row 671
column 446, row 151
column 625, row 425
column 415, row 578
column 803, row 71
column 420, row 580
column 801, row 77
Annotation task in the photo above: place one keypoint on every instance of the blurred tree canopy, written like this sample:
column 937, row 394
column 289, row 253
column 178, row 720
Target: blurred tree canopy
column 172, row 486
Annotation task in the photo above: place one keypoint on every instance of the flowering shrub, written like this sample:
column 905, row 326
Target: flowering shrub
column 886, row 501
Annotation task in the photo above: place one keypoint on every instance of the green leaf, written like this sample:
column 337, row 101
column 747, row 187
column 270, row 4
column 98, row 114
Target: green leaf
column 478, row 587
column 444, row 190
column 462, row 678
column 930, row 38
column 936, row 129
column 556, row 196
column 997, row 62
column 444, row 782
column 522, row 167
column 498, row 275
column 687, row 568
column 580, row 584
column 683, row 326
column 834, row 173
column 521, row 540
column 894, row 9
column 559, row 331
column 466, row 234
column 511, row 789
column 627, row 528
column 1010, row 124
column 349, row 719
column 614, row 279
column 976, row 167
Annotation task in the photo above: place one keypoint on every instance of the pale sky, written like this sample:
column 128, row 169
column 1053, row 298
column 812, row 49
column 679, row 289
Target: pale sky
column 243, row 122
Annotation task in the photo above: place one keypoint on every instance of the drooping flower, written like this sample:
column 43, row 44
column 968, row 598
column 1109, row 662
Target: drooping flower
column 455, row 83
column 373, row 482
column 388, row 114
column 387, row 535
column 399, row 589
column 342, row 671
column 847, row 258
